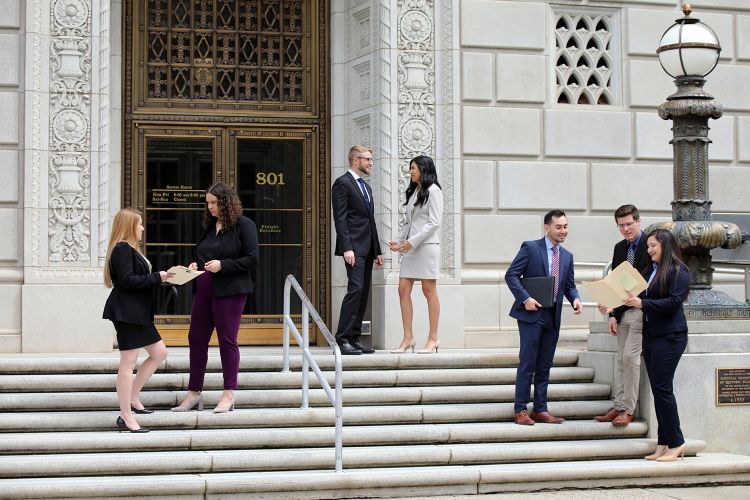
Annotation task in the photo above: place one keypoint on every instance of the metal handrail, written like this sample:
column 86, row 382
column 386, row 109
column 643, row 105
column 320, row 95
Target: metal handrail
column 336, row 398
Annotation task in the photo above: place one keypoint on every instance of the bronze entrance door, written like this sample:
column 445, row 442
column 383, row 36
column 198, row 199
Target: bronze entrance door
column 232, row 91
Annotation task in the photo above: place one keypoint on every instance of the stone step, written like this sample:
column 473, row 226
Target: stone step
column 292, row 397
column 217, row 461
column 295, row 437
column 289, row 417
column 707, row 468
column 291, row 380
column 271, row 360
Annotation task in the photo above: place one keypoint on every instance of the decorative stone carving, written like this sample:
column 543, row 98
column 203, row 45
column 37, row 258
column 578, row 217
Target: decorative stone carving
column 69, row 222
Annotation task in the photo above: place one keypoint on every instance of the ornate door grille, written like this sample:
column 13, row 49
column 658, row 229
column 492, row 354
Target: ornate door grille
column 227, row 54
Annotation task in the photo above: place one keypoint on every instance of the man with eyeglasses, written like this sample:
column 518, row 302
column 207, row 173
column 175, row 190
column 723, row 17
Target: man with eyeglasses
column 626, row 323
column 357, row 241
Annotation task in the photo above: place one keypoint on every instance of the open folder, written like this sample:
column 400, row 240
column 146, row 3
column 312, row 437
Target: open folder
column 617, row 286
column 182, row 275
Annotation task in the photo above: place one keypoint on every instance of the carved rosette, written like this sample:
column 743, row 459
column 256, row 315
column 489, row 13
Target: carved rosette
column 70, row 131
column 416, row 85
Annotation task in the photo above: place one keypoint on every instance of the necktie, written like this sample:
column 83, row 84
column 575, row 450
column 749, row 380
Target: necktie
column 556, row 269
column 364, row 194
column 631, row 253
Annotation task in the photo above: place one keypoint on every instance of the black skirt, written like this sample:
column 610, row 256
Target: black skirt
column 130, row 336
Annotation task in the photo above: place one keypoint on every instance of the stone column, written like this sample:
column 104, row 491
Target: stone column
column 66, row 214
column 392, row 88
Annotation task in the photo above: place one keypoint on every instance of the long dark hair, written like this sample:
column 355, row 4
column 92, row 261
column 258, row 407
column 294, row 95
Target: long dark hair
column 428, row 177
column 230, row 207
column 671, row 260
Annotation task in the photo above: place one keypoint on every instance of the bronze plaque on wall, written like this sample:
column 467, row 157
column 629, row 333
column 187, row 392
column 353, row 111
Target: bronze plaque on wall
column 733, row 386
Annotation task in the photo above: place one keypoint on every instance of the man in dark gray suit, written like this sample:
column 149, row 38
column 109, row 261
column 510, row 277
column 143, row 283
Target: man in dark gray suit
column 357, row 241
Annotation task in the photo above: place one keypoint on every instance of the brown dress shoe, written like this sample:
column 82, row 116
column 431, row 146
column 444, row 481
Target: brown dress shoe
column 522, row 418
column 622, row 419
column 611, row 414
column 545, row 418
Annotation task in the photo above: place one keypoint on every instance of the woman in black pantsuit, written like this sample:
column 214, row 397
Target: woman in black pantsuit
column 130, row 308
column 664, row 337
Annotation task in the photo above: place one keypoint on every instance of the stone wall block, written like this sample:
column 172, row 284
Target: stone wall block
column 513, row 25
column 494, row 239
column 10, row 58
column 743, row 126
column 743, row 37
column 729, row 191
column 652, row 135
column 521, row 78
column 728, row 84
column 481, row 306
column 478, row 184
column 649, row 187
column 10, row 14
column 542, row 186
column 591, row 238
column 501, row 131
column 9, row 174
column 649, row 85
column 9, row 241
column 646, row 26
column 9, row 112
column 600, row 133
column 476, row 76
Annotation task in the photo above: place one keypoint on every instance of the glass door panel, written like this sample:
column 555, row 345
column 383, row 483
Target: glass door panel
column 178, row 171
column 270, row 179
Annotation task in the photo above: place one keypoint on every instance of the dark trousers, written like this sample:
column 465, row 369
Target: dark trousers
column 538, row 344
column 661, row 355
column 355, row 301
column 223, row 313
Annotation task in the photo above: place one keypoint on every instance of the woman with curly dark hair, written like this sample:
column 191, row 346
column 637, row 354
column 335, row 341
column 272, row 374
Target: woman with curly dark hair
column 228, row 251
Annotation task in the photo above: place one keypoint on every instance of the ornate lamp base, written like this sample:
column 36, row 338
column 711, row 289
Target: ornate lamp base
column 714, row 304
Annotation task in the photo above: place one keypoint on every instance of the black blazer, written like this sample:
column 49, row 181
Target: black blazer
column 355, row 224
column 238, row 254
column 131, row 299
column 642, row 264
column 663, row 312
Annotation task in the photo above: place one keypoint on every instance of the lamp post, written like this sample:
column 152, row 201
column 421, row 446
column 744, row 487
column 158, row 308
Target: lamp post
column 688, row 51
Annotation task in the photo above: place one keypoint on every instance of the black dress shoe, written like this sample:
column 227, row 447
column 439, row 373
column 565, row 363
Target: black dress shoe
column 122, row 426
column 142, row 411
column 363, row 348
column 347, row 348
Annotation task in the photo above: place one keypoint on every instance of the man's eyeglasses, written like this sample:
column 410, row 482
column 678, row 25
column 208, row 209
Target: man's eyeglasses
column 627, row 225
column 365, row 158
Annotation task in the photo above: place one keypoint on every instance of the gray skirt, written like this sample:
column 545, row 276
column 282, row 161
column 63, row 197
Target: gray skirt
column 421, row 263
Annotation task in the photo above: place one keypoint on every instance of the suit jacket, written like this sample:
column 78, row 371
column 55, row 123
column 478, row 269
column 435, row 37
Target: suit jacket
column 663, row 312
column 354, row 222
column 131, row 299
column 642, row 264
column 531, row 261
column 422, row 223
column 238, row 255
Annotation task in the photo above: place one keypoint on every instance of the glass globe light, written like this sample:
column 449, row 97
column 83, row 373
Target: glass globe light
column 689, row 47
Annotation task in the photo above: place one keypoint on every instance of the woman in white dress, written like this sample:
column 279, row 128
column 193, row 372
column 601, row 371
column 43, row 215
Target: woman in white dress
column 419, row 245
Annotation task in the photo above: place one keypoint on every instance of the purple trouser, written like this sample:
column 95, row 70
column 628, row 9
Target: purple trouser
column 210, row 311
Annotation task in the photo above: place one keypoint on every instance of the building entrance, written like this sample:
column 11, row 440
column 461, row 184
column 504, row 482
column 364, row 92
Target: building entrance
column 230, row 91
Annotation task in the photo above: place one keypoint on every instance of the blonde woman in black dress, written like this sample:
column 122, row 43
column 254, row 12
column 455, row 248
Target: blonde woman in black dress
column 130, row 308
column 419, row 244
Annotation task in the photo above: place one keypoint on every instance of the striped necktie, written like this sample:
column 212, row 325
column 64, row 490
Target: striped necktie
column 556, row 269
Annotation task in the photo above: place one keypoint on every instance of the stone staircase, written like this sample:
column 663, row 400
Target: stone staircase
column 413, row 425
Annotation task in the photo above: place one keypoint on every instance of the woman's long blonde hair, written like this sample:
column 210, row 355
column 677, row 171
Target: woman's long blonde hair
column 123, row 229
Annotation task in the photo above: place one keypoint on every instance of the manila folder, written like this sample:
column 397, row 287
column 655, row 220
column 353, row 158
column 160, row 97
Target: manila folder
column 617, row 286
column 182, row 275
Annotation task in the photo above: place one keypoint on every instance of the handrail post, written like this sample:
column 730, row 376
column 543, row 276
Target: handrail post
column 339, row 413
column 305, row 363
column 287, row 293
column 747, row 284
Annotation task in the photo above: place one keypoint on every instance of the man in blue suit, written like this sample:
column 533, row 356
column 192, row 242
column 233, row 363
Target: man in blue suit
column 539, row 327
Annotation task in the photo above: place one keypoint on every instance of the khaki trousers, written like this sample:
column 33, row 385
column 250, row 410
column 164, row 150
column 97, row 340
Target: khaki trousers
column 628, row 364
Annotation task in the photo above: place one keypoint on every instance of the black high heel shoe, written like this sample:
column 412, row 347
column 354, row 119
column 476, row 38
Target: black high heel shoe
column 122, row 426
column 142, row 411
